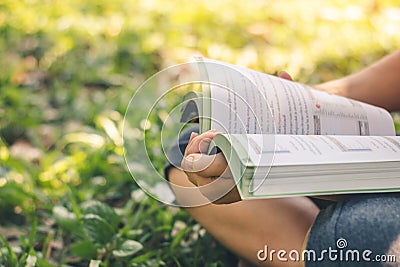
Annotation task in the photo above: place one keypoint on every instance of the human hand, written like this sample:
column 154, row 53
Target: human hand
column 203, row 169
column 285, row 75
column 209, row 172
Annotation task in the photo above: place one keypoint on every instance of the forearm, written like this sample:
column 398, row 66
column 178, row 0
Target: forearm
column 378, row 84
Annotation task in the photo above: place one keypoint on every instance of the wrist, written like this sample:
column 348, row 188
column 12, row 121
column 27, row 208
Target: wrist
column 337, row 87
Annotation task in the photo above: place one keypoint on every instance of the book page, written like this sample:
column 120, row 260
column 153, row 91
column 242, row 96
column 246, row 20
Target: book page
column 237, row 106
column 264, row 103
column 319, row 149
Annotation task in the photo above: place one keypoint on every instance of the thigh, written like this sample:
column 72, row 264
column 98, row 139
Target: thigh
column 248, row 227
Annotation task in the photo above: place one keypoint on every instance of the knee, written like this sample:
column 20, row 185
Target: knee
column 364, row 223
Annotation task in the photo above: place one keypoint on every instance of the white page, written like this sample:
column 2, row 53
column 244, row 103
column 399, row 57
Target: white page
column 296, row 108
column 319, row 149
column 238, row 109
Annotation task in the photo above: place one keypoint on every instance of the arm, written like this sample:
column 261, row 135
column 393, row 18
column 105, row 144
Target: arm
column 378, row 84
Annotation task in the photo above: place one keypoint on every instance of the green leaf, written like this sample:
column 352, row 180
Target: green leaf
column 43, row 263
column 12, row 257
column 32, row 234
column 97, row 229
column 65, row 218
column 102, row 210
column 85, row 250
column 397, row 126
column 179, row 237
column 128, row 248
column 144, row 257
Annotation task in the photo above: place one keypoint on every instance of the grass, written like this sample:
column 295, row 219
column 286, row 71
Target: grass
column 67, row 72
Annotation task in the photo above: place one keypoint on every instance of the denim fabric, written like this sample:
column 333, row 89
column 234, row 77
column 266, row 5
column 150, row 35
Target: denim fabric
column 367, row 223
column 177, row 150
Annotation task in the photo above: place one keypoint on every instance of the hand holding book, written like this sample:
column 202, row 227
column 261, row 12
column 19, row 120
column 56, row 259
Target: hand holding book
column 203, row 169
column 342, row 146
column 306, row 141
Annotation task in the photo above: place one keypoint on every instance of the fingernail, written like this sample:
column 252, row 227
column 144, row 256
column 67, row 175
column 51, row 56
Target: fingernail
column 191, row 136
column 190, row 158
column 190, row 162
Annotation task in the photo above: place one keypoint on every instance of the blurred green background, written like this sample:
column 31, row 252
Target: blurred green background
column 67, row 72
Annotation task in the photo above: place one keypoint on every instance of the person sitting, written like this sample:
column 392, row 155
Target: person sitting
column 367, row 222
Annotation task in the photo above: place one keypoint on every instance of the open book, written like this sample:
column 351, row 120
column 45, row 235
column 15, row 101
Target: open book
column 284, row 138
column 288, row 165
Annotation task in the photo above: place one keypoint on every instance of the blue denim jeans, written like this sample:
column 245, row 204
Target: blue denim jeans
column 361, row 231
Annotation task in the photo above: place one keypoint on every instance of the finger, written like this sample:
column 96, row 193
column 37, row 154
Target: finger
column 285, row 76
column 199, row 180
column 192, row 135
column 206, row 165
column 217, row 190
column 231, row 197
column 193, row 144
column 200, row 143
column 194, row 178
column 221, row 191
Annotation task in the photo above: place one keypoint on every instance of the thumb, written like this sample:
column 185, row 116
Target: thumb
column 205, row 165
column 285, row 75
